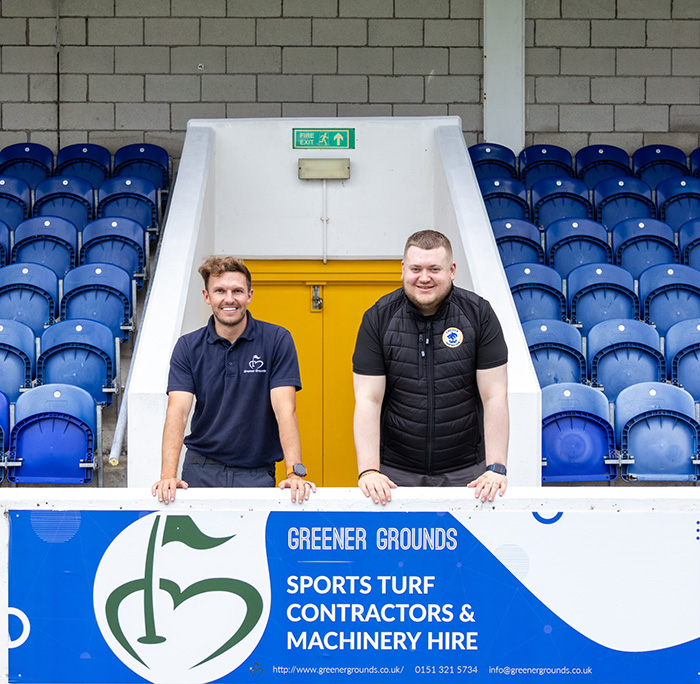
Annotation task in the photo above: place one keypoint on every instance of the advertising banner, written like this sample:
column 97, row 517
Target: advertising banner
column 258, row 596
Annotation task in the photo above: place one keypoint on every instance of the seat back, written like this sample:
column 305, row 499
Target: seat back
column 84, row 160
column 556, row 351
column 69, row 197
column 595, row 163
column 53, row 437
column 682, row 347
column 657, row 432
column 678, row 200
column 4, row 244
column 118, row 241
column 4, row 428
column 29, row 161
column 99, row 292
column 15, row 200
column 617, row 199
column 48, row 240
column 493, row 161
column 669, row 294
column 542, row 161
column 505, row 198
column 17, row 358
column 623, row 352
column 79, row 352
column 570, row 243
column 130, row 197
column 536, row 291
column 556, row 198
column 656, row 163
column 639, row 244
column 518, row 241
column 29, row 294
column 598, row 292
column 689, row 242
column 145, row 160
column 578, row 443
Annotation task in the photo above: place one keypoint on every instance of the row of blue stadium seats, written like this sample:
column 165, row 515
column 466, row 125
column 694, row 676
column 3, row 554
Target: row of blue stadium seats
column 634, row 244
column 611, row 201
column 56, row 242
column 30, row 293
column 54, row 439
column 665, row 295
column 655, row 435
column 34, row 163
column 79, row 352
column 75, row 200
column 615, row 354
column 591, row 164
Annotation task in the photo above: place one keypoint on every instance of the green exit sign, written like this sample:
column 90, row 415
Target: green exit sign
column 323, row 138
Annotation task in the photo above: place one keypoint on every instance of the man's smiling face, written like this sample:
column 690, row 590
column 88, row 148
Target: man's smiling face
column 427, row 276
column 229, row 297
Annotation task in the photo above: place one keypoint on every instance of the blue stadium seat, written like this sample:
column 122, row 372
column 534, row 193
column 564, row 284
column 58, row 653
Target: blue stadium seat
column 542, row 161
column 54, row 436
column 656, row 430
column 29, row 294
column 79, row 352
column 536, row 291
column 29, row 161
column 48, row 240
column 4, row 244
column 557, row 198
column 656, row 163
column 518, row 241
column 578, row 442
column 689, row 242
column 669, row 294
column 618, row 199
column 145, row 160
column 596, row 163
column 118, row 241
column 695, row 162
column 639, row 244
column 682, row 347
column 678, row 200
column 505, row 198
column 493, row 161
column 4, row 432
column 15, row 200
column 570, row 243
column 130, row 197
column 623, row 352
column 85, row 160
column 99, row 292
column 598, row 292
column 17, row 358
column 69, row 197
column 556, row 351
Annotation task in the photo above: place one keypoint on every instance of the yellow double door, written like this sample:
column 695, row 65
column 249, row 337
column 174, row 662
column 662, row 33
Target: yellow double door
column 322, row 306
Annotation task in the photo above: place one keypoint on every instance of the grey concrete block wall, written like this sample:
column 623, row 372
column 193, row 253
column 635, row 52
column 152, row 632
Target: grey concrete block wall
column 625, row 72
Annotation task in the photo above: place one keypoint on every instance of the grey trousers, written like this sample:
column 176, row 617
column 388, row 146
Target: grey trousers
column 200, row 471
column 455, row 478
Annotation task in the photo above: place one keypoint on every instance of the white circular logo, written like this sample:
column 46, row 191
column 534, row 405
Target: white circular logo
column 452, row 337
column 184, row 599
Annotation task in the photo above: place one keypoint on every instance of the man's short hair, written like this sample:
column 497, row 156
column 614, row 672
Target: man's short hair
column 429, row 239
column 216, row 266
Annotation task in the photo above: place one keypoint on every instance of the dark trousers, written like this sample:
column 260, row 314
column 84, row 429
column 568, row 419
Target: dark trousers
column 455, row 478
column 200, row 471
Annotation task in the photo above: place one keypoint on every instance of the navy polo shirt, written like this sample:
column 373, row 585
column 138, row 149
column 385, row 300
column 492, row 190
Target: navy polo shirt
column 233, row 420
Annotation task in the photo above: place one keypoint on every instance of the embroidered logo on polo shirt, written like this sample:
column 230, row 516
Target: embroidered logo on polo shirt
column 452, row 337
column 256, row 365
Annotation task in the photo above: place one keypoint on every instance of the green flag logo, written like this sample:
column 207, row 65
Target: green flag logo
column 140, row 616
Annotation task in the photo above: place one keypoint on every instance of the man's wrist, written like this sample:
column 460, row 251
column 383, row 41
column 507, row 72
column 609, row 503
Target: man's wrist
column 497, row 468
column 298, row 469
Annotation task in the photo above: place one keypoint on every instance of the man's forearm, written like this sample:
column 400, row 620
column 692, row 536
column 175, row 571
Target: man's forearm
column 366, row 428
column 496, row 431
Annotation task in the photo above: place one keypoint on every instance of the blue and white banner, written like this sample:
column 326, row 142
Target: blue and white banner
column 120, row 597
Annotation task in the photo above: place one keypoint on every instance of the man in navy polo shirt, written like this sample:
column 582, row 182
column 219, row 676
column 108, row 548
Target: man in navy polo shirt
column 244, row 374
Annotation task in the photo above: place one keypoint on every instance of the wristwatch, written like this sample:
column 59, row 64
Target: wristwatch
column 297, row 469
column 497, row 468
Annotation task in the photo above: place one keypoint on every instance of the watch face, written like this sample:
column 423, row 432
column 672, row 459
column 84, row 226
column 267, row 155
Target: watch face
column 299, row 469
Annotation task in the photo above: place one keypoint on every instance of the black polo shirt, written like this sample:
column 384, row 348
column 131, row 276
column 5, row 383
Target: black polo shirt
column 233, row 420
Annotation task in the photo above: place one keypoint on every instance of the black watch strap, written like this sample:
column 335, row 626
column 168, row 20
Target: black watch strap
column 497, row 468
